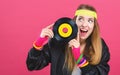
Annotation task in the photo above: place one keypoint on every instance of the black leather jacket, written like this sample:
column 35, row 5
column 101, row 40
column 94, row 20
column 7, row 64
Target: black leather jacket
column 37, row 60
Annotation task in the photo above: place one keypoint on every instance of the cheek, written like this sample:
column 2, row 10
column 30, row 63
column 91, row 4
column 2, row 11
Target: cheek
column 91, row 28
column 78, row 23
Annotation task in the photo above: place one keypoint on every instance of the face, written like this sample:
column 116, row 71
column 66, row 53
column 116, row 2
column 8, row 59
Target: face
column 85, row 26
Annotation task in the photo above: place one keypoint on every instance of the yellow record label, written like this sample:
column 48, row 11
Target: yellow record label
column 65, row 30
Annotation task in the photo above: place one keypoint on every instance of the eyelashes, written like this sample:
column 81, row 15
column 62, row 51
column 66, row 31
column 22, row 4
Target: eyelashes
column 89, row 20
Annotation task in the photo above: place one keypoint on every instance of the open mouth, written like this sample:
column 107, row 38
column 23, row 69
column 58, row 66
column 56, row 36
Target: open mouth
column 83, row 32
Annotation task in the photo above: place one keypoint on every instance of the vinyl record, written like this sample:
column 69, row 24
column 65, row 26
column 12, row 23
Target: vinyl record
column 65, row 29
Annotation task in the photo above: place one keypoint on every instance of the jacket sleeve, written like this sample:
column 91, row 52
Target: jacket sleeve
column 102, row 68
column 38, row 59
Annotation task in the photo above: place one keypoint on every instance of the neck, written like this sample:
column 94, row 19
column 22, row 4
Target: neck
column 82, row 45
column 82, row 42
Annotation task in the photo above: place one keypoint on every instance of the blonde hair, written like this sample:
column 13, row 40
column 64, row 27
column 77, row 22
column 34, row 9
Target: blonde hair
column 93, row 49
column 69, row 59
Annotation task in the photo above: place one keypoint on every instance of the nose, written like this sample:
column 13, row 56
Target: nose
column 84, row 24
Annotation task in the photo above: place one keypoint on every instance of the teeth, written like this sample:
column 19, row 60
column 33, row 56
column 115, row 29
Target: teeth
column 83, row 30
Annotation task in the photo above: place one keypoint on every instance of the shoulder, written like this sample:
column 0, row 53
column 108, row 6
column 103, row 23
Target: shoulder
column 104, row 45
column 105, row 51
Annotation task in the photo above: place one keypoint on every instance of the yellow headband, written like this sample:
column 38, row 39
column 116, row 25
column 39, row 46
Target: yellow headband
column 86, row 12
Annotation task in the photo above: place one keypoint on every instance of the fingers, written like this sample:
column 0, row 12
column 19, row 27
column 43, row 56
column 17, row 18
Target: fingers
column 50, row 33
column 74, row 43
column 47, row 32
column 78, row 35
column 71, row 43
column 50, row 26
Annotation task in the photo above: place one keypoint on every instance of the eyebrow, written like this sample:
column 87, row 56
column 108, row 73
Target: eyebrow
column 80, row 16
column 91, row 18
column 83, row 17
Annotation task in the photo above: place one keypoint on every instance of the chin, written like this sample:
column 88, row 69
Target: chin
column 83, row 38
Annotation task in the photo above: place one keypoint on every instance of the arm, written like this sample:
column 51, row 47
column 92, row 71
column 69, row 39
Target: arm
column 38, row 59
column 39, row 55
column 102, row 68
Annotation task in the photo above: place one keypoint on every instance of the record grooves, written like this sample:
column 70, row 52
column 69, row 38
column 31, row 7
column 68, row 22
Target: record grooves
column 65, row 29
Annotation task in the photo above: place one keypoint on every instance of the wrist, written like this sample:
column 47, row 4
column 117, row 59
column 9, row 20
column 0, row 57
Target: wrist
column 76, row 52
column 38, row 44
column 76, row 49
column 40, row 41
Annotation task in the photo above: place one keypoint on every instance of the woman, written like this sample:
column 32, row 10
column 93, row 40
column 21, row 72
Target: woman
column 87, row 54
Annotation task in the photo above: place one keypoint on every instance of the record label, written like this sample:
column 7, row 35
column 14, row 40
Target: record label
column 65, row 30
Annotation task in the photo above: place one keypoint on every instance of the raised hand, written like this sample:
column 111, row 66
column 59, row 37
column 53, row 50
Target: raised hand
column 75, row 42
column 47, row 32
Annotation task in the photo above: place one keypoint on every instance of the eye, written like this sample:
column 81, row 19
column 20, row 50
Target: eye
column 91, row 21
column 80, row 19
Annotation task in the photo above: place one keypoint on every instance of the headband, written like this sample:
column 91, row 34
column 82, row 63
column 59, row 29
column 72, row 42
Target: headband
column 86, row 12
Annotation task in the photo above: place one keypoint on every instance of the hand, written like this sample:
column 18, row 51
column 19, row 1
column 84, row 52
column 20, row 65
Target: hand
column 47, row 32
column 75, row 42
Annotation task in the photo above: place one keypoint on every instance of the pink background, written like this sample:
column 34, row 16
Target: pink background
column 22, row 20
